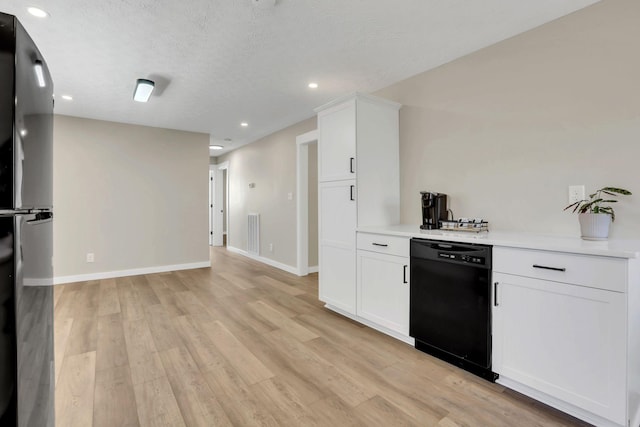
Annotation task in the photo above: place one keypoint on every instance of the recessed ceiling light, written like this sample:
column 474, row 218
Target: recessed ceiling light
column 313, row 85
column 244, row 124
column 216, row 147
column 37, row 12
column 67, row 97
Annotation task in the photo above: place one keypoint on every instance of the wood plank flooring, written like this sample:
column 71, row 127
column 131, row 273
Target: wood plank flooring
column 244, row 344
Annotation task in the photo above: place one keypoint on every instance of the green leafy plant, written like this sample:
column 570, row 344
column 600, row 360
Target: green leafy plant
column 597, row 203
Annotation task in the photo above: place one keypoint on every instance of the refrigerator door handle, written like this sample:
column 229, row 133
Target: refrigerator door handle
column 41, row 217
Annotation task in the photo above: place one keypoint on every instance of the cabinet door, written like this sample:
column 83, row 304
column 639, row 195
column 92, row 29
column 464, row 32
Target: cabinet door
column 337, row 142
column 337, row 240
column 565, row 340
column 383, row 290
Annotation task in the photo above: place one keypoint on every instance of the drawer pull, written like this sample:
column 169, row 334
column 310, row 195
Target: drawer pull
column 351, row 192
column 384, row 245
column 404, row 274
column 495, row 294
column 544, row 267
column 351, row 159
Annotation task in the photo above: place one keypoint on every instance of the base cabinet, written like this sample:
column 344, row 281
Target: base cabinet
column 383, row 290
column 563, row 341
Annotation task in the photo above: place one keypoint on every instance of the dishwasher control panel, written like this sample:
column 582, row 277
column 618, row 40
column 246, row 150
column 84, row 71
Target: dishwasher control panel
column 461, row 257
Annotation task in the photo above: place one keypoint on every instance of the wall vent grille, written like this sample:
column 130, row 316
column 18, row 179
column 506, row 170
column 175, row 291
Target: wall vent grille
column 253, row 234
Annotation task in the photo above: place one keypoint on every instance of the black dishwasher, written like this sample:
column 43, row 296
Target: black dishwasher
column 450, row 306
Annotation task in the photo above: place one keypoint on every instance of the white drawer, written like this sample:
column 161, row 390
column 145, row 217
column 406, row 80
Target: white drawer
column 381, row 243
column 585, row 270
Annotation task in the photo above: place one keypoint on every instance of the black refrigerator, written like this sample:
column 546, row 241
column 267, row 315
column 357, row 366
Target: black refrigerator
column 26, row 231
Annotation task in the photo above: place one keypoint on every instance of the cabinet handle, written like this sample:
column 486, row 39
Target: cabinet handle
column 404, row 274
column 351, row 192
column 544, row 267
column 351, row 159
column 384, row 245
column 495, row 294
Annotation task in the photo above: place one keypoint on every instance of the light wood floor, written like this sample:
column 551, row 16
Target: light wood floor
column 244, row 344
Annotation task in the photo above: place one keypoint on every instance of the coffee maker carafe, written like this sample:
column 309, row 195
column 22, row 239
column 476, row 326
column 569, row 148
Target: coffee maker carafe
column 434, row 210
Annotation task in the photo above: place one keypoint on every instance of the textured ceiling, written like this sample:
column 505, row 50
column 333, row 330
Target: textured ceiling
column 219, row 62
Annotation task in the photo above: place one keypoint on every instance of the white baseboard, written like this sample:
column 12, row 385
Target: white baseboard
column 314, row 269
column 133, row 272
column 272, row 263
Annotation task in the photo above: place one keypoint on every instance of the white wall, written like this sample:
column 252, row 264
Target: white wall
column 270, row 164
column 503, row 131
column 135, row 196
column 506, row 130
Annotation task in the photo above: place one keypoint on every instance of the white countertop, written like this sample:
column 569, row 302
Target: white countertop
column 618, row 248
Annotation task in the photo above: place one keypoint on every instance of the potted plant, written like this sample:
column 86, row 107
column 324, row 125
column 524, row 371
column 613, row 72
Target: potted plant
column 595, row 213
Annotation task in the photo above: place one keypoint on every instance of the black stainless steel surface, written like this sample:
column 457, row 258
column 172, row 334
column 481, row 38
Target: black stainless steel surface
column 434, row 209
column 26, row 320
column 26, row 231
column 26, row 122
column 450, row 308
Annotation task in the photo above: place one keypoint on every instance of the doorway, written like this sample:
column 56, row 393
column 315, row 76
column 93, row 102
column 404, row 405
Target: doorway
column 307, row 203
column 219, row 209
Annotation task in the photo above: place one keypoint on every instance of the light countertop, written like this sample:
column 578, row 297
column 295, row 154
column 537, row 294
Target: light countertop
column 619, row 248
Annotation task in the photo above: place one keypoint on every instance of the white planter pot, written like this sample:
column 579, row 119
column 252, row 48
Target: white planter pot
column 594, row 226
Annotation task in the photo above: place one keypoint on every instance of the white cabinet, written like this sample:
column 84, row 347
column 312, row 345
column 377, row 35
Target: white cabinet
column 558, row 340
column 337, row 220
column 359, row 184
column 383, row 288
column 336, row 157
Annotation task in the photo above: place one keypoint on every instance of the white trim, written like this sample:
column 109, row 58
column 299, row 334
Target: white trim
column 302, row 201
column 272, row 263
column 314, row 269
column 133, row 272
column 360, row 96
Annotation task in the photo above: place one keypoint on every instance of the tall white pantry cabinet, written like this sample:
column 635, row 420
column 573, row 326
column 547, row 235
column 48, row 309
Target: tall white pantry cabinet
column 359, row 185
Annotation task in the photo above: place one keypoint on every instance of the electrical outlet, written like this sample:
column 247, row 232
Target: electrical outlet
column 270, row 247
column 90, row 257
column 576, row 193
column 289, row 196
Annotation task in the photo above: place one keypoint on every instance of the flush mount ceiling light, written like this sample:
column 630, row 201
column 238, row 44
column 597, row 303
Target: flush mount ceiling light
column 37, row 67
column 313, row 85
column 244, row 124
column 67, row 97
column 37, row 12
column 143, row 90
column 216, row 147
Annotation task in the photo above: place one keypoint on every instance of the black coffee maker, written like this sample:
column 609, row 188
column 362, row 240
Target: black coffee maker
column 434, row 209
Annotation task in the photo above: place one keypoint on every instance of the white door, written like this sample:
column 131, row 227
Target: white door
column 211, row 209
column 565, row 340
column 337, row 241
column 337, row 143
column 218, row 207
column 383, row 290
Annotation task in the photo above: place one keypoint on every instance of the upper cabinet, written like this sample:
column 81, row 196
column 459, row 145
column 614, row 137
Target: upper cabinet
column 358, row 138
column 337, row 155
